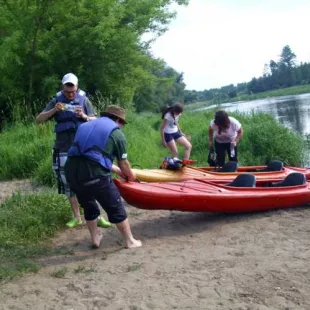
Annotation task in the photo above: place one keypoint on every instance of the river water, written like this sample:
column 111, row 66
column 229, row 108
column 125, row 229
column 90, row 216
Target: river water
column 291, row 111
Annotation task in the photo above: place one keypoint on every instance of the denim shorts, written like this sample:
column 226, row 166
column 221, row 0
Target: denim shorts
column 172, row 136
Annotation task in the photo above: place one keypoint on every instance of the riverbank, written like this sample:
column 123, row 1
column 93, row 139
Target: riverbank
column 295, row 90
column 188, row 261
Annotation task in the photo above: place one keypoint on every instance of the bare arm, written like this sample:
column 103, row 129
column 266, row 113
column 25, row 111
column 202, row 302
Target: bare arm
column 117, row 170
column 239, row 135
column 79, row 113
column 211, row 137
column 162, row 126
column 179, row 128
column 125, row 169
column 46, row 115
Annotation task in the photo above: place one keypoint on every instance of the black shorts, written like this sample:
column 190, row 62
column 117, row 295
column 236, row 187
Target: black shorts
column 104, row 191
column 172, row 136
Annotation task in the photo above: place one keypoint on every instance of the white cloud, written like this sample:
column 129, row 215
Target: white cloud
column 216, row 43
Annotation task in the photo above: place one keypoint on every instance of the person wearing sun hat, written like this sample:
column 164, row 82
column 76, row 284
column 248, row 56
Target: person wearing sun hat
column 89, row 167
column 69, row 108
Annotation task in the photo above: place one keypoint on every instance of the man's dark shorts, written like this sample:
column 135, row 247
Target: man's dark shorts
column 172, row 136
column 104, row 191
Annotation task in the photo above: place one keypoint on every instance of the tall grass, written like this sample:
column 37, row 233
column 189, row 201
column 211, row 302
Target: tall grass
column 25, row 221
column 25, row 150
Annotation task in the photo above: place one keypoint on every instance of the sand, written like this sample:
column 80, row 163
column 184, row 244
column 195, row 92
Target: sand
column 188, row 261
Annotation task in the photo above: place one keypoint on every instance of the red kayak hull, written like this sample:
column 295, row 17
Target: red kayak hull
column 204, row 196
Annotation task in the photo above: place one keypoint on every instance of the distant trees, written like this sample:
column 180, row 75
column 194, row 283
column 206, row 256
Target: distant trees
column 276, row 74
column 280, row 74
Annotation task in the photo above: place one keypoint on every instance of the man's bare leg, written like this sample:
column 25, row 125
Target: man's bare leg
column 130, row 241
column 75, row 207
column 95, row 234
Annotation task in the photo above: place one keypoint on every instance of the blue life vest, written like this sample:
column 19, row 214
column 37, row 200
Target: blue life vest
column 67, row 119
column 91, row 139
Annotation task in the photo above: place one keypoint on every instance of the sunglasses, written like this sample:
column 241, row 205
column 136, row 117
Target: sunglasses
column 69, row 92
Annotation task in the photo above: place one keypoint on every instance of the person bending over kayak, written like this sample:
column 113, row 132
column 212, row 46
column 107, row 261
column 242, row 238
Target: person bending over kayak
column 225, row 133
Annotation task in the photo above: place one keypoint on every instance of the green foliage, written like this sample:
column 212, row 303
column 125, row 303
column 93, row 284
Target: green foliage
column 22, row 149
column 165, row 87
column 99, row 40
column 264, row 139
column 25, row 221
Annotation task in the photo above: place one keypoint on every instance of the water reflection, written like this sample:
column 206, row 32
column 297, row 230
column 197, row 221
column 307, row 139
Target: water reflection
column 291, row 111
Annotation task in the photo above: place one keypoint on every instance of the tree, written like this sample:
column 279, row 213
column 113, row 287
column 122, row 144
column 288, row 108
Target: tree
column 287, row 58
column 99, row 40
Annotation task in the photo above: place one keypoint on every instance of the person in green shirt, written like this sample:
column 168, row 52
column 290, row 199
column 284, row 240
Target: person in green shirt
column 89, row 167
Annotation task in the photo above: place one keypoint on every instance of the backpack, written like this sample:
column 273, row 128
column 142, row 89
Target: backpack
column 212, row 158
column 171, row 163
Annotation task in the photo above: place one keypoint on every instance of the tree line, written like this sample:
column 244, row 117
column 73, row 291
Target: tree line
column 101, row 42
column 277, row 74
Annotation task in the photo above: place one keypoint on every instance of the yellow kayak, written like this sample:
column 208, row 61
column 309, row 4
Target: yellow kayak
column 206, row 173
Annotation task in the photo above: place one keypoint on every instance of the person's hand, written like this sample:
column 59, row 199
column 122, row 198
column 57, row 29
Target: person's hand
column 164, row 143
column 118, row 171
column 233, row 144
column 210, row 144
column 59, row 106
column 79, row 113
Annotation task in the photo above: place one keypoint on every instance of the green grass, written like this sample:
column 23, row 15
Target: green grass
column 59, row 273
column 27, row 221
column 25, row 150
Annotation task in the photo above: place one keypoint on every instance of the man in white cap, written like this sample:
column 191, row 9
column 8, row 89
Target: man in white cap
column 69, row 108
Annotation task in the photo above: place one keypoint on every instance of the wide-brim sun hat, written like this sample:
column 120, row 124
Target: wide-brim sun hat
column 115, row 110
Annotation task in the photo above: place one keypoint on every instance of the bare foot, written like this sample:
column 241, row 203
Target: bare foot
column 133, row 244
column 96, row 240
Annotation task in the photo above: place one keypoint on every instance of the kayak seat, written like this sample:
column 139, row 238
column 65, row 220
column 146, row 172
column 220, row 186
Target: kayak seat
column 274, row 165
column 293, row 179
column 230, row 166
column 243, row 180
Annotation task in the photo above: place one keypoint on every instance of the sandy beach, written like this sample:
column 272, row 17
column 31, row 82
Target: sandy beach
column 188, row 261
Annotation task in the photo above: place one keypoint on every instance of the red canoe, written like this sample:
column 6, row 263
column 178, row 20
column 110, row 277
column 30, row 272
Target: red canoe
column 204, row 196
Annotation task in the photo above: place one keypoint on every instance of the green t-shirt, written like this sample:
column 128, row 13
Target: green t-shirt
column 86, row 169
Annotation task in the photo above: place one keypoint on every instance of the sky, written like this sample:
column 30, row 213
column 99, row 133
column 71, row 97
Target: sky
column 221, row 42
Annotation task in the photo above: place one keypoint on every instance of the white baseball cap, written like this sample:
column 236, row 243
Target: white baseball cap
column 70, row 78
